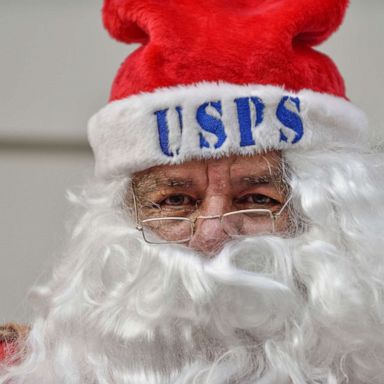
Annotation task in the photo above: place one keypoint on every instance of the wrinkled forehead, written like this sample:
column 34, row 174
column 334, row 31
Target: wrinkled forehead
column 235, row 170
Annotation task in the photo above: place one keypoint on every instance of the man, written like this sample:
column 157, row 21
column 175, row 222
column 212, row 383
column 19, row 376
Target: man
column 234, row 231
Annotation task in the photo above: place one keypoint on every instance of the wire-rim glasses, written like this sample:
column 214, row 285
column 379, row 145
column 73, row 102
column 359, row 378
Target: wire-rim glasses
column 177, row 230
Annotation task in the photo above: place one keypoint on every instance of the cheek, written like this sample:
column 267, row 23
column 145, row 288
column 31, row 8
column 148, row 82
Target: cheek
column 285, row 224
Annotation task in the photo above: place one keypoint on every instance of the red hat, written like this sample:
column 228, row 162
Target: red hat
column 219, row 77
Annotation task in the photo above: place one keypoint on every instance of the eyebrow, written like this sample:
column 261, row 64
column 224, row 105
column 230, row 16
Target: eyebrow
column 177, row 182
column 152, row 184
column 253, row 180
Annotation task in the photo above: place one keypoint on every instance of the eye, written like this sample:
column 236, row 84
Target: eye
column 256, row 200
column 177, row 201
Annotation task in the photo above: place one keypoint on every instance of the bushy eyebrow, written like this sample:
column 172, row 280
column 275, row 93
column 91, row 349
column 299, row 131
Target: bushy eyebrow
column 252, row 180
column 151, row 183
column 177, row 182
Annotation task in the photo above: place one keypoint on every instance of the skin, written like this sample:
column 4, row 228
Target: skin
column 212, row 187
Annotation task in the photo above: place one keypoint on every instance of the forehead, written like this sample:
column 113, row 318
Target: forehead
column 232, row 168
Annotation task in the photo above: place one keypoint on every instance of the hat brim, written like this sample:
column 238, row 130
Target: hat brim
column 212, row 120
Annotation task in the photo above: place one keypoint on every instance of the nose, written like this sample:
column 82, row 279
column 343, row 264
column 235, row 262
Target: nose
column 209, row 236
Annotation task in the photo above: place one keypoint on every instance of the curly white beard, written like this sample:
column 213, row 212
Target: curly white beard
column 267, row 310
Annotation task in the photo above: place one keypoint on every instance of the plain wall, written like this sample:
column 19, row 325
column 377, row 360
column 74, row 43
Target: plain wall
column 57, row 65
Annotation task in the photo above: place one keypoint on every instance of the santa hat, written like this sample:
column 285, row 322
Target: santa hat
column 218, row 77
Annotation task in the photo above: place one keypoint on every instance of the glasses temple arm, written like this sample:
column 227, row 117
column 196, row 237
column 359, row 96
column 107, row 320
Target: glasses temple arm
column 276, row 215
column 138, row 226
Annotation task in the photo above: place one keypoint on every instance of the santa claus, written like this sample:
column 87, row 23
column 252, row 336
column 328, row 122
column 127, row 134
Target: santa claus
column 234, row 229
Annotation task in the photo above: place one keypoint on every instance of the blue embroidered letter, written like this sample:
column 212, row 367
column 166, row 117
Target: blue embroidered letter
column 163, row 129
column 244, row 117
column 290, row 119
column 211, row 124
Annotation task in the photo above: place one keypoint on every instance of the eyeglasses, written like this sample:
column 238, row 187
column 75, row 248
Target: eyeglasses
column 172, row 229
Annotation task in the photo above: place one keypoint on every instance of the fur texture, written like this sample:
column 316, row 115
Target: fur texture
column 240, row 42
column 124, row 135
column 268, row 310
column 188, row 57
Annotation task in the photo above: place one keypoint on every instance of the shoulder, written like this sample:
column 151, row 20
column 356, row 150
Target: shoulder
column 10, row 336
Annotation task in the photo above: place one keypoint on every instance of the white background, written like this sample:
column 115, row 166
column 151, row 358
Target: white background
column 57, row 64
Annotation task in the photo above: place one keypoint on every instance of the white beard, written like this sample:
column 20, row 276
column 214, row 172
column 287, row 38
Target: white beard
column 265, row 310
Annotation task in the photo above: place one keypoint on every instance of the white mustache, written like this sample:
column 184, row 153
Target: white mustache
column 259, row 293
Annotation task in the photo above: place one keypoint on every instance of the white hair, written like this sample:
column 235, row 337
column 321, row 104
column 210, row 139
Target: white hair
column 266, row 310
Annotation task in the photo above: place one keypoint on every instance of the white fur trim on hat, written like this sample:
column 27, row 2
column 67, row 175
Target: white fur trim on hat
column 211, row 120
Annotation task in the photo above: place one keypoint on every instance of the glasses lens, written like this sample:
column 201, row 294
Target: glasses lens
column 167, row 230
column 248, row 223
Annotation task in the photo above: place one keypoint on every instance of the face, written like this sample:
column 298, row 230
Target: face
column 203, row 191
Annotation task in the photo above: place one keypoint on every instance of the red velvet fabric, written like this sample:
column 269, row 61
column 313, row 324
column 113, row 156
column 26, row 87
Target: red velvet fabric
column 236, row 41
